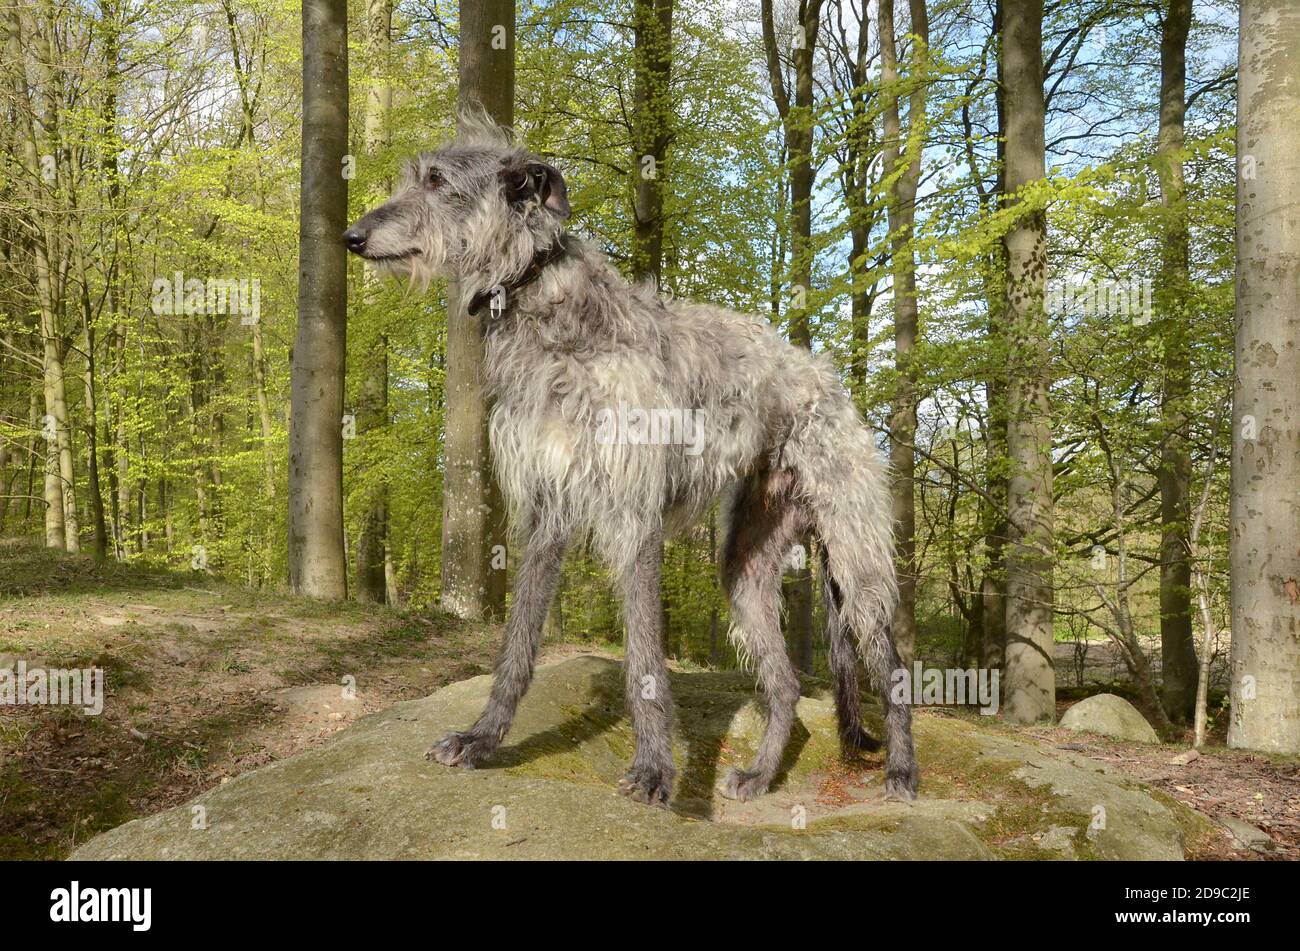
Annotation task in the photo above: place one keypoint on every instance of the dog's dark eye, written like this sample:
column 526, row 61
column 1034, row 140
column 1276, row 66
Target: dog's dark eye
column 435, row 178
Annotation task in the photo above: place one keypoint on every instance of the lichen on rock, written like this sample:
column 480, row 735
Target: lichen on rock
column 550, row 790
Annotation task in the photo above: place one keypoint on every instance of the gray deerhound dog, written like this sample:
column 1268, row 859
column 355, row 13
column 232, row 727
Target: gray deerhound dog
column 706, row 400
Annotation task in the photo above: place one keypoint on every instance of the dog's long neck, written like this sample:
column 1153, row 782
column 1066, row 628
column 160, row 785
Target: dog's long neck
column 501, row 296
column 575, row 305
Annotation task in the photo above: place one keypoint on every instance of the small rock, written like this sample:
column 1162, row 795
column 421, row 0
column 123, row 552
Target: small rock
column 1058, row 839
column 1109, row 715
column 1247, row 836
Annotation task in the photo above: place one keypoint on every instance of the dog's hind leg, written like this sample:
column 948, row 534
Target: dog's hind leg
column 867, row 606
column 901, row 773
column 764, row 522
column 844, row 669
column 848, row 492
column 539, row 571
column 647, row 691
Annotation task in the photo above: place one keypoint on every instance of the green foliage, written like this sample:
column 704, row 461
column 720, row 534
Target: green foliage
column 176, row 132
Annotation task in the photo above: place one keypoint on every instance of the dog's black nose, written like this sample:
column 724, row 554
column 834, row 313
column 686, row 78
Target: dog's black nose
column 355, row 239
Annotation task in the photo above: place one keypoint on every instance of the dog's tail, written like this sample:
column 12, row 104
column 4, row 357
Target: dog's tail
column 845, row 484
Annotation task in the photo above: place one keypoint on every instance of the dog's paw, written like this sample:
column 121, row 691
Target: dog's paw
column 649, row 786
column 743, row 785
column 456, row 749
column 901, row 784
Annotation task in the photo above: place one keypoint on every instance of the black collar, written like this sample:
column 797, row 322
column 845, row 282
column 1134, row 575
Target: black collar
column 534, row 270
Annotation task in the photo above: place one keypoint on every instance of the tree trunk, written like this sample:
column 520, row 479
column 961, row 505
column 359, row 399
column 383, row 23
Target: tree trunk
column 317, row 561
column 90, row 384
column 1030, row 679
column 47, row 69
column 652, row 23
column 58, row 410
column 1177, row 650
column 7, row 481
column 110, row 24
column 1124, row 633
column 92, row 443
column 859, row 201
column 372, row 408
column 1265, row 508
column 263, row 409
column 56, row 533
column 797, row 121
column 243, row 63
column 473, row 516
column 5, row 484
column 56, row 510
column 34, row 425
column 903, row 166
column 121, row 443
column 195, row 402
column 1201, row 577
column 993, row 581
column 372, row 418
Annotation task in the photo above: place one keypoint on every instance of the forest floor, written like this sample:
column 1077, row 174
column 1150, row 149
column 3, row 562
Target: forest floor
column 206, row 680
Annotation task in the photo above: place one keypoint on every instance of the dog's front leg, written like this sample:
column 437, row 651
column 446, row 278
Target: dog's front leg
column 649, row 699
column 534, row 588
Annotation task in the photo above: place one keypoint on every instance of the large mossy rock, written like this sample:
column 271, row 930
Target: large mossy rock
column 1109, row 715
column 550, row 792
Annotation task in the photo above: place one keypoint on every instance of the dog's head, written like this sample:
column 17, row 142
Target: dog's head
column 476, row 207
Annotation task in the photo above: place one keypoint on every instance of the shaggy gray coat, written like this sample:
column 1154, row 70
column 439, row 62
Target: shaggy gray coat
column 580, row 365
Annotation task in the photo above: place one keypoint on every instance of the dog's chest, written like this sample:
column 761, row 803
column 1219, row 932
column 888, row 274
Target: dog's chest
column 539, row 425
column 551, row 424
column 534, row 437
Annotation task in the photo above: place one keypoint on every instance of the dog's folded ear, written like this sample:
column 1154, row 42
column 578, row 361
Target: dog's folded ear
column 523, row 180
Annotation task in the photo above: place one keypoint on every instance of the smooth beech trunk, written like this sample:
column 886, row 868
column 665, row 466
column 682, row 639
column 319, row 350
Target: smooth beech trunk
column 473, row 512
column 56, row 529
column 1029, row 691
column 317, row 561
column 1265, row 510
